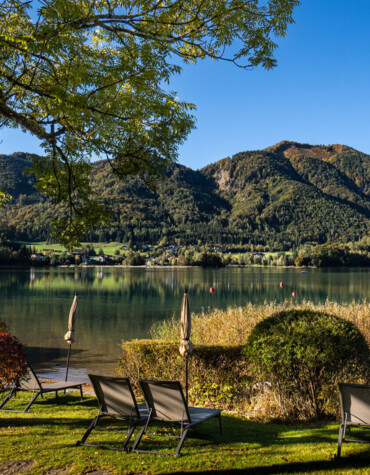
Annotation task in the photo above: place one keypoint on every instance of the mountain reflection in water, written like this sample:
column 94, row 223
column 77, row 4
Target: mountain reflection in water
column 118, row 304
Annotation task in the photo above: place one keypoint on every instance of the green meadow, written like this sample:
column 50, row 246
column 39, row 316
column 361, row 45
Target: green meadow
column 108, row 247
column 47, row 434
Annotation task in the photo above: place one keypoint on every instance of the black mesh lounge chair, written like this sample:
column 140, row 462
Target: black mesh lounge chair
column 166, row 404
column 116, row 399
column 355, row 409
column 31, row 383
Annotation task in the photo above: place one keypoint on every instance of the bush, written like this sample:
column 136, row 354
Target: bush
column 208, row 259
column 218, row 376
column 303, row 354
column 12, row 358
column 134, row 259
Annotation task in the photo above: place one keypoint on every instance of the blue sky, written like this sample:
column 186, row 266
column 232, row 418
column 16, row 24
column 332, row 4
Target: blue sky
column 319, row 93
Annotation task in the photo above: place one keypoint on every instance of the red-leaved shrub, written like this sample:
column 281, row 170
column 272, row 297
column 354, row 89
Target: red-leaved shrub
column 12, row 357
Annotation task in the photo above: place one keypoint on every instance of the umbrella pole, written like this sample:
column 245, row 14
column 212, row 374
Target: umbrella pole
column 69, row 354
column 186, row 376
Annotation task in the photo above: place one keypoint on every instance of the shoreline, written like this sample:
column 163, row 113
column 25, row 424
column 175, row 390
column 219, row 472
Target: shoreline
column 99, row 266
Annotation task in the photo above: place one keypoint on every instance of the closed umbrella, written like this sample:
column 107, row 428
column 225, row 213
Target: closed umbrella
column 186, row 346
column 70, row 335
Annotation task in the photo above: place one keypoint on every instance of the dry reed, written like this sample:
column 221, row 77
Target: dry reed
column 232, row 326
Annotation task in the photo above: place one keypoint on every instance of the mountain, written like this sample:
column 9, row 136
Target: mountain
column 284, row 195
column 13, row 177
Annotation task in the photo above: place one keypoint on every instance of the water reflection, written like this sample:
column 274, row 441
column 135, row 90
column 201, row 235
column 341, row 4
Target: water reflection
column 116, row 304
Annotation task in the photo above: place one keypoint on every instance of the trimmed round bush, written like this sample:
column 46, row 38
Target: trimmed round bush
column 301, row 355
column 12, row 358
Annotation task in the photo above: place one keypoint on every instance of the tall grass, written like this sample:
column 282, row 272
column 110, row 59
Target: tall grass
column 232, row 326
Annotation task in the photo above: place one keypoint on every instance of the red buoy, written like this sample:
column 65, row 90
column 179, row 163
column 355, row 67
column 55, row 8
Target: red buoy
column 293, row 294
column 281, row 285
column 211, row 290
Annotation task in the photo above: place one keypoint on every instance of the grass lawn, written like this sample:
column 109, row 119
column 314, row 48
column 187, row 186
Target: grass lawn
column 47, row 434
column 108, row 247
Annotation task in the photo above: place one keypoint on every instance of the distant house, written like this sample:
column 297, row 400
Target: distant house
column 37, row 257
column 101, row 259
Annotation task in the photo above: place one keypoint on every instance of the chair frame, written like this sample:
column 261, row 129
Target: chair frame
column 137, row 414
column 186, row 422
column 31, row 383
column 347, row 418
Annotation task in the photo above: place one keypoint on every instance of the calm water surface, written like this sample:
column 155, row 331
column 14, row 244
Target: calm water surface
column 118, row 304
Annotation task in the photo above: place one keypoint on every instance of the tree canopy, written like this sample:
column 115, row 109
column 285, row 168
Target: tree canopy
column 90, row 78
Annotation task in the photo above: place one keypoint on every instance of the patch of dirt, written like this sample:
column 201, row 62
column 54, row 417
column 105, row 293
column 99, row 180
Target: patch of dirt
column 58, row 471
column 13, row 467
column 98, row 472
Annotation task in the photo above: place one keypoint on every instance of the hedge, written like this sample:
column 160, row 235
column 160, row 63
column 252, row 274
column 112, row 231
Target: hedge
column 218, row 375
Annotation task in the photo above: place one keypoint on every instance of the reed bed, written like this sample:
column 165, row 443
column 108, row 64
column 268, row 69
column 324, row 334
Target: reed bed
column 231, row 327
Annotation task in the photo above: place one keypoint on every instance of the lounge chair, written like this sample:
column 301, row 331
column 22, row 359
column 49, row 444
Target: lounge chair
column 116, row 399
column 31, row 383
column 355, row 409
column 166, row 404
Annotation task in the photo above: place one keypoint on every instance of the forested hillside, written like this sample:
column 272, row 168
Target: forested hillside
column 282, row 196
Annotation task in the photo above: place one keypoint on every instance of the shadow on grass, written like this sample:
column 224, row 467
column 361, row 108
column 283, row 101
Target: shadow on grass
column 67, row 423
column 303, row 467
column 69, row 412
column 236, row 430
column 54, row 411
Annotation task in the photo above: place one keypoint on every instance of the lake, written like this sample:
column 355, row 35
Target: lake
column 118, row 304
